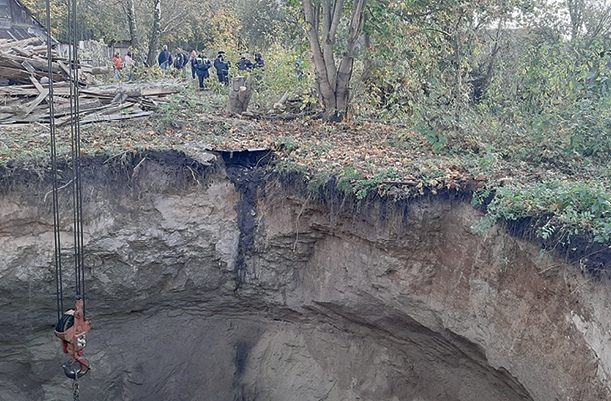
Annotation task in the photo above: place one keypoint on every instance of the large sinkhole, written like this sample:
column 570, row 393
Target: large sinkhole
column 211, row 278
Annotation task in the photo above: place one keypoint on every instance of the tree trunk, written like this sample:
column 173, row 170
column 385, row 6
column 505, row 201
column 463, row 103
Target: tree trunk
column 322, row 22
column 366, row 76
column 155, row 33
column 130, row 13
column 240, row 91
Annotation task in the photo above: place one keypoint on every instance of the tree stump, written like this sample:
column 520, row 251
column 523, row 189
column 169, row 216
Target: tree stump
column 240, row 91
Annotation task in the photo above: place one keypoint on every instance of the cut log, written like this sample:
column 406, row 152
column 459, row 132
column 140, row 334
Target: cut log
column 64, row 68
column 15, row 60
column 240, row 92
column 99, row 70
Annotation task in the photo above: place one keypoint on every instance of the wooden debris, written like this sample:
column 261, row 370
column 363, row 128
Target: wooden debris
column 24, row 66
column 42, row 96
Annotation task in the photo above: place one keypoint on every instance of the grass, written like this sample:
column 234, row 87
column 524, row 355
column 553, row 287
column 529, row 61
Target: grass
column 525, row 173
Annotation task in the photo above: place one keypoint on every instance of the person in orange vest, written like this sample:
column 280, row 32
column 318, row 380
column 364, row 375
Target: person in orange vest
column 117, row 64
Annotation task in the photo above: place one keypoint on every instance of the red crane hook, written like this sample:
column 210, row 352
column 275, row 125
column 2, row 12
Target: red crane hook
column 72, row 330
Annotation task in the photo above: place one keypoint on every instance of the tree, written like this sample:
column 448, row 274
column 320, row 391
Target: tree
column 130, row 13
column 261, row 23
column 322, row 21
column 58, row 16
column 155, row 33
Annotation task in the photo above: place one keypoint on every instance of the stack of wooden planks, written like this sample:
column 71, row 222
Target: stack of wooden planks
column 24, row 97
column 21, row 61
column 29, row 103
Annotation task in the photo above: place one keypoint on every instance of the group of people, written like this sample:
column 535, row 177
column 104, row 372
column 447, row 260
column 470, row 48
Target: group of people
column 200, row 64
column 245, row 64
column 119, row 64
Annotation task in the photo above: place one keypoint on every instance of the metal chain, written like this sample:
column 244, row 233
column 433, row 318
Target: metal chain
column 75, row 393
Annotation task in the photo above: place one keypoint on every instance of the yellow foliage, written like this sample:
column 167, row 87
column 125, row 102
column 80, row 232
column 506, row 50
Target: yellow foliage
column 221, row 28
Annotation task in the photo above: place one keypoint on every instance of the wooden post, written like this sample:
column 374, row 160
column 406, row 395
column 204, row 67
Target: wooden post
column 240, row 91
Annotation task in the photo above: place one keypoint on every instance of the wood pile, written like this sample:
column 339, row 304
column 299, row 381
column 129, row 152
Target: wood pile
column 23, row 60
column 24, row 96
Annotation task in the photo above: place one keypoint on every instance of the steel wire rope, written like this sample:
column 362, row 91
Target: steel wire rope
column 53, row 143
column 75, row 137
column 76, row 152
column 77, row 203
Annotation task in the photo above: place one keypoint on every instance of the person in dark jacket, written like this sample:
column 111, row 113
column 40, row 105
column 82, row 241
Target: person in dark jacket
column 244, row 64
column 202, row 65
column 164, row 59
column 259, row 62
column 258, row 66
column 180, row 60
column 222, row 68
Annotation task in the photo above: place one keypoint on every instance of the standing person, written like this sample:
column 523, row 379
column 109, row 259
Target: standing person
column 129, row 64
column 202, row 65
column 259, row 62
column 244, row 64
column 298, row 69
column 193, row 61
column 117, row 64
column 222, row 68
column 258, row 66
column 164, row 59
column 180, row 60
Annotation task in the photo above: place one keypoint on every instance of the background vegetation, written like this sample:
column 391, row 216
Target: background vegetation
column 518, row 88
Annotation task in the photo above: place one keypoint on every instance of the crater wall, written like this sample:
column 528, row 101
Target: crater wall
column 218, row 282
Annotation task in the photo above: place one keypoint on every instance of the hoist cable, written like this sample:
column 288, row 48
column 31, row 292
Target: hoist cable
column 75, row 137
column 56, row 222
column 72, row 326
column 76, row 154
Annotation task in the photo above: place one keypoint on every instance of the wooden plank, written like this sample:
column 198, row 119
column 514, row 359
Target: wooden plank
column 157, row 91
column 17, row 43
column 66, row 116
column 18, row 90
column 15, row 74
column 115, row 117
column 40, row 49
column 22, row 52
column 64, row 68
column 36, row 84
column 83, row 108
column 12, row 109
column 28, row 67
column 42, row 96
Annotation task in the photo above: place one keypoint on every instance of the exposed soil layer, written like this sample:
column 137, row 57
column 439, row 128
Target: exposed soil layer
column 209, row 278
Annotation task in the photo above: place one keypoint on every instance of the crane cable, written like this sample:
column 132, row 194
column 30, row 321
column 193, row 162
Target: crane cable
column 52, row 129
column 75, row 131
column 75, row 135
column 71, row 328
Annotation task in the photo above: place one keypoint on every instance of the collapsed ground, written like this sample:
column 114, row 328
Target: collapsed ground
column 366, row 157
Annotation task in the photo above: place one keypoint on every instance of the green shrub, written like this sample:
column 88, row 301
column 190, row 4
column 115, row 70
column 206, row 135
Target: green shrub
column 567, row 208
